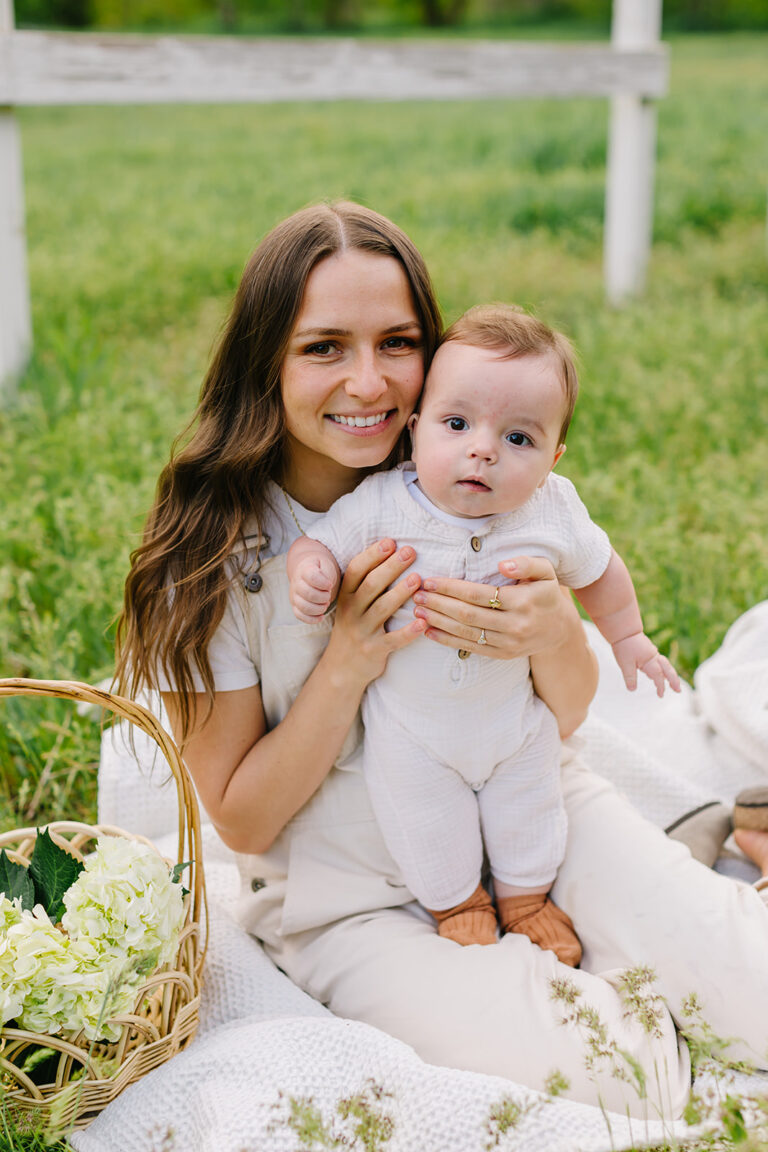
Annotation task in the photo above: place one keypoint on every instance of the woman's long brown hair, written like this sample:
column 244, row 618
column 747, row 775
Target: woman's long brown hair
column 177, row 586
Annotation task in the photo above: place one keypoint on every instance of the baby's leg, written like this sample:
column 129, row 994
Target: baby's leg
column 524, row 827
column 429, row 818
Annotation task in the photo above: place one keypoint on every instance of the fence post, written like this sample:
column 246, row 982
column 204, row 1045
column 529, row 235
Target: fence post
column 631, row 157
column 15, row 323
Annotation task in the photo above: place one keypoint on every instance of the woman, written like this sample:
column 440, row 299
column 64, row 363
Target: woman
column 319, row 367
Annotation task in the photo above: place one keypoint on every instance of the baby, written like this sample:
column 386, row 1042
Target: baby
column 459, row 751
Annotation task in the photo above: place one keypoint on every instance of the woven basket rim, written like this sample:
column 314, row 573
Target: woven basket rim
column 189, row 841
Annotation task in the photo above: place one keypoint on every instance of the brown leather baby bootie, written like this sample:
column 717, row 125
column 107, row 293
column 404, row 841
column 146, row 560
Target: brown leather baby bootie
column 750, row 809
column 471, row 922
column 535, row 916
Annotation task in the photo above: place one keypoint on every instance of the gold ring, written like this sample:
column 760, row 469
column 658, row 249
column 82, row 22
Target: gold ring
column 495, row 602
column 481, row 638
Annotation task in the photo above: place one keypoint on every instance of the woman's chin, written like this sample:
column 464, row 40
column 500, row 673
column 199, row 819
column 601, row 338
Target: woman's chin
column 363, row 447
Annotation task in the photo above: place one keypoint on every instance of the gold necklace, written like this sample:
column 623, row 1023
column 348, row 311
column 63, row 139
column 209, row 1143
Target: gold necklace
column 291, row 510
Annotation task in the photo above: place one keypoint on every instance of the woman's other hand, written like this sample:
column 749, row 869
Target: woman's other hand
column 359, row 645
column 507, row 622
column 533, row 618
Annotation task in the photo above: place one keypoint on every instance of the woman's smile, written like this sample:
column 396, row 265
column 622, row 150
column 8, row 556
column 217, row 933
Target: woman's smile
column 360, row 422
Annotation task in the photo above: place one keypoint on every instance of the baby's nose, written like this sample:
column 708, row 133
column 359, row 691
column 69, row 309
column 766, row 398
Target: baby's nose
column 482, row 448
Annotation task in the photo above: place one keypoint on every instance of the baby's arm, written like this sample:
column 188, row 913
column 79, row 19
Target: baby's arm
column 612, row 604
column 315, row 577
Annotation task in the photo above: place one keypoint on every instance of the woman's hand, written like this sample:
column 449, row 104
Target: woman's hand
column 359, row 646
column 510, row 621
column 535, row 618
column 253, row 779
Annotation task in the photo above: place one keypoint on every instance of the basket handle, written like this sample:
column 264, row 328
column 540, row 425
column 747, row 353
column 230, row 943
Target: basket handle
column 190, row 835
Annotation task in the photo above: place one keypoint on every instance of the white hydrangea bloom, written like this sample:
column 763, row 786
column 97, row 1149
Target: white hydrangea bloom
column 125, row 902
column 84, row 991
column 10, row 911
column 34, row 956
column 11, row 993
column 123, row 919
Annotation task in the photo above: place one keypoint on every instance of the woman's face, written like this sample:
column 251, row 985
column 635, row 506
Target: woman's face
column 352, row 373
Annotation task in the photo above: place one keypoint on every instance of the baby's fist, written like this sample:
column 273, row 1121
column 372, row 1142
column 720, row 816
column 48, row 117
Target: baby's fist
column 311, row 589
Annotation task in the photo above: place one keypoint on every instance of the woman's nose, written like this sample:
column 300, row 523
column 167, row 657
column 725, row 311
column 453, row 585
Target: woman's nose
column 366, row 379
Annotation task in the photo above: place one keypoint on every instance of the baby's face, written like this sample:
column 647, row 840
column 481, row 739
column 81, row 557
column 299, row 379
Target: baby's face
column 488, row 433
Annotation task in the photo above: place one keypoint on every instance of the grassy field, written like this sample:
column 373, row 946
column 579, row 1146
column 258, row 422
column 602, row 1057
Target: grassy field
column 140, row 220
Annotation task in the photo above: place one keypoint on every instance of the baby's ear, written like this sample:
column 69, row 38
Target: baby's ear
column 558, row 454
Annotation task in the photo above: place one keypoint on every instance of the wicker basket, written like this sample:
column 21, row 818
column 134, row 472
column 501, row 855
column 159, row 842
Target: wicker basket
column 166, row 1007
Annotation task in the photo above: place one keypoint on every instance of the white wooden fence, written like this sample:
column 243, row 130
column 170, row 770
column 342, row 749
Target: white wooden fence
column 38, row 68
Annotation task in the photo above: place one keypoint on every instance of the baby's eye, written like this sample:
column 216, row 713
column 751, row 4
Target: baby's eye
column 519, row 439
column 457, row 423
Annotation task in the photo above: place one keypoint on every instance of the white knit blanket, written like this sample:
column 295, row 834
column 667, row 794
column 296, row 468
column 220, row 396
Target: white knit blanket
column 270, row 1066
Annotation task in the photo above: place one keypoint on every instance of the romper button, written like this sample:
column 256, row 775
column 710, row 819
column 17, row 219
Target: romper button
column 257, row 884
column 476, row 543
column 253, row 582
column 463, row 654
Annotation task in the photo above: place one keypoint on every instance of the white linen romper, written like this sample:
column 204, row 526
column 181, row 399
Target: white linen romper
column 459, row 752
column 332, row 910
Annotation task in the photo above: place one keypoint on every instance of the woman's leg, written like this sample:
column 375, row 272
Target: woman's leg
column 491, row 1009
column 638, row 898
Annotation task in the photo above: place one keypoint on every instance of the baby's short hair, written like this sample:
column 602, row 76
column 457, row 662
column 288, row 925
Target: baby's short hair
column 514, row 332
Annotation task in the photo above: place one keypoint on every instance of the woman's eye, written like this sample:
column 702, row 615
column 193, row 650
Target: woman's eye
column 322, row 348
column 519, row 439
column 457, row 424
column 396, row 343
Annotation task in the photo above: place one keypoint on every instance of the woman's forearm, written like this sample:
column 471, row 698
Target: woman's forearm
column 287, row 765
column 251, row 781
column 565, row 677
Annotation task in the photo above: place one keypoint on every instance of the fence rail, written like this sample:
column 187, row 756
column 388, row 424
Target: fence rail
column 83, row 68
column 40, row 68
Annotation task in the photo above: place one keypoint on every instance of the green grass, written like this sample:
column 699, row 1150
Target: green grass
column 140, row 220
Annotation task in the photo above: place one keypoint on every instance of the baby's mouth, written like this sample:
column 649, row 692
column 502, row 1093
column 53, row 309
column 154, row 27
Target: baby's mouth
column 474, row 484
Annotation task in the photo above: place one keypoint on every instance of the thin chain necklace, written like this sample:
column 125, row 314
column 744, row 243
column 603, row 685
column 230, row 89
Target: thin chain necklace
column 291, row 510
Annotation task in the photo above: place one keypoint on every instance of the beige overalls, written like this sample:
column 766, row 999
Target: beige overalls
column 333, row 913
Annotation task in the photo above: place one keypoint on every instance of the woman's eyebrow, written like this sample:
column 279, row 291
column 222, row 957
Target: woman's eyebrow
column 404, row 327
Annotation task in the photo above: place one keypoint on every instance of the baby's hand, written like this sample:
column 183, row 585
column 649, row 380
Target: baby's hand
column 638, row 651
column 313, row 585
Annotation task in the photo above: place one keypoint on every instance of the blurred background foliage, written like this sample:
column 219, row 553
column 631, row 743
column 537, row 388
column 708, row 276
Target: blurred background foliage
column 139, row 220
column 385, row 16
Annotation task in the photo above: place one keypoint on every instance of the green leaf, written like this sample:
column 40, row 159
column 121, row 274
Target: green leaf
column 15, row 880
column 177, row 870
column 53, row 871
column 41, row 1065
